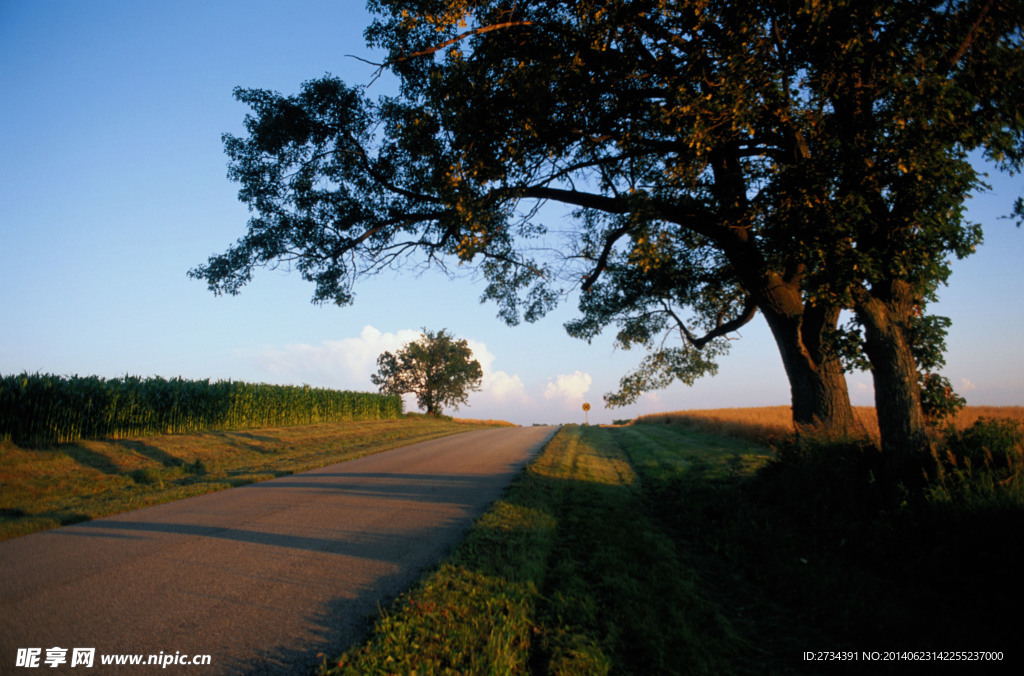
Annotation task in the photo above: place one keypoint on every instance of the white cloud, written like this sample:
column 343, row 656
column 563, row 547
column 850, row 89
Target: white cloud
column 481, row 354
column 967, row 386
column 651, row 398
column 570, row 387
column 504, row 387
column 496, row 385
column 346, row 363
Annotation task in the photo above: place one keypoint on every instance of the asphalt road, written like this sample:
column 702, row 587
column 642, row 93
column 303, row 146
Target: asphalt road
column 261, row 578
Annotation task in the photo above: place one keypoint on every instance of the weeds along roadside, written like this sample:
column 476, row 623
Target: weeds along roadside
column 817, row 549
column 60, row 484
column 568, row 573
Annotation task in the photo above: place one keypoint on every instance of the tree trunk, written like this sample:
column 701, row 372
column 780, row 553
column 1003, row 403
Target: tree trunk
column 820, row 399
column 887, row 346
column 817, row 384
column 432, row 408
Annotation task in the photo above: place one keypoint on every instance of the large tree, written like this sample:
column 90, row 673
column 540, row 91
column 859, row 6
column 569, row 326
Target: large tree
column 437, row 368
column 902, row 93
column 723, row 158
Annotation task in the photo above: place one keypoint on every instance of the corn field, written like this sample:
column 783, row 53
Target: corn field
column 41, row 409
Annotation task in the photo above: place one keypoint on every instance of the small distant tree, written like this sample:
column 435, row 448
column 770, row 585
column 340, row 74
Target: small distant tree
column 438, row 369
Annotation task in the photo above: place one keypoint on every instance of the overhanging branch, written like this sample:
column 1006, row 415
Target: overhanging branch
column 602, row 260
column 748, row 312
column 462, row 36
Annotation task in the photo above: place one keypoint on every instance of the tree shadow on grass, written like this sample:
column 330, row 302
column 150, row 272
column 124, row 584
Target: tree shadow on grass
column 152, row 452
column 89, row 458
column 259, row 443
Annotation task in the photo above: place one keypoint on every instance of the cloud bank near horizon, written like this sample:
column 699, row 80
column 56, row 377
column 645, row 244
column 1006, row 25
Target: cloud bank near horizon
column 570, row 388
column 348, row 363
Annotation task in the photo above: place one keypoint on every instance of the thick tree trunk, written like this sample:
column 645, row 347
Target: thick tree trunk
column 821, row 402
column 901, row 421
column 820, row 399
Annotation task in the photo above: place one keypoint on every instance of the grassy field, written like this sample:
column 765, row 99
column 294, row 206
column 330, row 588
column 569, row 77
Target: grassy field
column 659, row 549
column 46, row 487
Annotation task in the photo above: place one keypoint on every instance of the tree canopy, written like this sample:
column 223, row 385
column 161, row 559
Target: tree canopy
column 793, row 159
column 438, row 369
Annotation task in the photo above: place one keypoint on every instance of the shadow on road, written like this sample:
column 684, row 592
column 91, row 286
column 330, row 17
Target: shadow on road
column 366, row 547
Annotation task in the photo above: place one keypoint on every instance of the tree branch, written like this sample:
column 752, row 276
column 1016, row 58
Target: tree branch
column 462, row 36
column 613, row 205
column 970, row 37
column 602, row 260
column 381, row 180
column 746, row 315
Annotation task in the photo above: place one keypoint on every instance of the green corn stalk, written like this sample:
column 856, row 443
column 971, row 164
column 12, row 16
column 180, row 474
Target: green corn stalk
column 44, row 409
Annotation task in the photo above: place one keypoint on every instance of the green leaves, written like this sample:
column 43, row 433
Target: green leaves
column 664, row 366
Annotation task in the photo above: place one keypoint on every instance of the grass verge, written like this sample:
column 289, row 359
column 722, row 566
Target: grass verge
column 659, row 549
column 42, row 488
column 569, row 573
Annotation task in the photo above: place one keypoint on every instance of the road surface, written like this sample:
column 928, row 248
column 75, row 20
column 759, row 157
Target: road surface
column 261, row 578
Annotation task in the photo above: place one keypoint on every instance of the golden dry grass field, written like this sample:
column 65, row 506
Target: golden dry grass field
column 774, row 423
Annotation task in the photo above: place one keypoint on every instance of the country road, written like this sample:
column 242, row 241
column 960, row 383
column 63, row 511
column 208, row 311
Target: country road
column 261, row 578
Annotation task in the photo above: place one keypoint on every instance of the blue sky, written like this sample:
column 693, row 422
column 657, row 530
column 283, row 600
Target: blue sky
column 113, row 185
